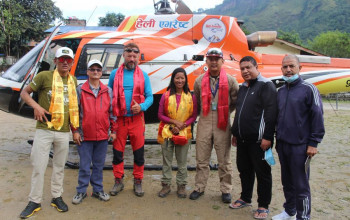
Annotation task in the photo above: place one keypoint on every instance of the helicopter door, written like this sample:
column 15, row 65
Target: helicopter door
column 36, row 65
column 20, row 74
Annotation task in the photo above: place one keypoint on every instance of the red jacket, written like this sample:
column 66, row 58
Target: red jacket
column 95, row 112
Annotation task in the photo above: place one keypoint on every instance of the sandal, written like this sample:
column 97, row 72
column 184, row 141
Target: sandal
column 261, row 211
column 242, row 204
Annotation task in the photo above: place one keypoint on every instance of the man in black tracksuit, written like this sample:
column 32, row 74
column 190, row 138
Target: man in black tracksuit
column 253, row 133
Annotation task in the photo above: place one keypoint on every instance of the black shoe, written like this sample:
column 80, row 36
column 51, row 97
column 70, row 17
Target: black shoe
column 226, row 197
column 30, row 209
column 59, row 204
column 195, row 195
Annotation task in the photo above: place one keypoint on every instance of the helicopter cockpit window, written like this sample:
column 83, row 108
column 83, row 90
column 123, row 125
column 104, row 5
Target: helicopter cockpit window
column 18, row 71
column 110, row 56
column 48, row 60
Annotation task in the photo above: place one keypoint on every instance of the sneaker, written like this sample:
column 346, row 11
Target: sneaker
column 226, row 197
column 138, row 187
column 195, row 195
column 181, row 191
column 30, row 209
column 78, row 198
column 59, row 204
column 284, row 216
column 101, row 196
column 164, row 191
column 118, row 187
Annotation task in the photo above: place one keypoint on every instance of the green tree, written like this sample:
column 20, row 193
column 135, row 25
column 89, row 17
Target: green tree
column 24, row 20
column 292, row 37
column 10, row 24
column 332, row 43
column 111, row 19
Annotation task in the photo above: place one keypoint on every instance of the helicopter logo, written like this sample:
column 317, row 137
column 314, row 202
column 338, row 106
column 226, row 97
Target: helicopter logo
column 214, row 30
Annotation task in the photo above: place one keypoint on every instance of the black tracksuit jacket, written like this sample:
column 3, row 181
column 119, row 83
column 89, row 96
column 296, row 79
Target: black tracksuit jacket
column 256, row 111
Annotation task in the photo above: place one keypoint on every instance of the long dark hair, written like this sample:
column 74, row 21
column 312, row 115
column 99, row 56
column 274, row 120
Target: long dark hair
column 172, row 86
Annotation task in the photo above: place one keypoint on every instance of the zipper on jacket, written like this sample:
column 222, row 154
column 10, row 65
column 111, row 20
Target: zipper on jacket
column 239, row 115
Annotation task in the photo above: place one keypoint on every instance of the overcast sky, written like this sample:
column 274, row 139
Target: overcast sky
column 91, row 10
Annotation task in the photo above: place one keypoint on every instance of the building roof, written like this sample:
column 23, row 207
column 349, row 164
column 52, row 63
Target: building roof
column 284, row 47
column 303, row 50
column 67, row 28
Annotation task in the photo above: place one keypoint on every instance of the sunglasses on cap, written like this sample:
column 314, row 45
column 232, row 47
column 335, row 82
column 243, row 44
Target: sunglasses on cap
column 214, row 52
column 129, row 50
column 62, row 59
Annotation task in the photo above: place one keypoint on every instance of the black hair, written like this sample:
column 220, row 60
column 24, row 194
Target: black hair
column 172, row 86
column 248, row 59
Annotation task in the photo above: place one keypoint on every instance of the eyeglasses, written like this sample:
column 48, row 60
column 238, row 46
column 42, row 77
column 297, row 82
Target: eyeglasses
column 129, row 50
column 62, row 59
column 214, row 52
column 93, row 70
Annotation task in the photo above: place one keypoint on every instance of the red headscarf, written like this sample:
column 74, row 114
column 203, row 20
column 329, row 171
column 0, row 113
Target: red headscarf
column 119, row 105
column 222, row 107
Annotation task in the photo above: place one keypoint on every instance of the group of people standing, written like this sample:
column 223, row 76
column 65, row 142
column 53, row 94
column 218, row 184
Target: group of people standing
column 97, row 113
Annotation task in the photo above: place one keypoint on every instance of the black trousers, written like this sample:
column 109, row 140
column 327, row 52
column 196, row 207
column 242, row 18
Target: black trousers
column 250, row 163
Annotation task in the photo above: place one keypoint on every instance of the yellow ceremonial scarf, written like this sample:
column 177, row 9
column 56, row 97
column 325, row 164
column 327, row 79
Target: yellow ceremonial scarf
column 181, row 114
column 57, row 102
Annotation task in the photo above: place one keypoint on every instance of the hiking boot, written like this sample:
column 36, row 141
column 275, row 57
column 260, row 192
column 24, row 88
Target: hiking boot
column 195, row 195
column 138, row 187
column 59, row 204
column 30, row 209
column 101, row 196
column 164, row 191
column 78, row 198
column 181, row 191
column 118, row 187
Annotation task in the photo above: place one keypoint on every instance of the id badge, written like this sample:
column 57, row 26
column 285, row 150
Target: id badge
column 213, row 106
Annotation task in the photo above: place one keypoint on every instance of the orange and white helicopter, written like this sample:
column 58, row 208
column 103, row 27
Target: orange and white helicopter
column 167, row 40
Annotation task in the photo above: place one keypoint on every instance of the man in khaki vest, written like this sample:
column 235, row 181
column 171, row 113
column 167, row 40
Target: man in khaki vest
column 216, row 93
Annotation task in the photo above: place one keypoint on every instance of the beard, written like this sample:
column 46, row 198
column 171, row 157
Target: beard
column 130, row 65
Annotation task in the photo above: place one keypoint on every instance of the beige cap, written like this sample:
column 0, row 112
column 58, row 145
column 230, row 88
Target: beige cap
column 64, row 51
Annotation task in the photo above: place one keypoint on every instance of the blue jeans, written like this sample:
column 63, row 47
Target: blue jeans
column 91, row 152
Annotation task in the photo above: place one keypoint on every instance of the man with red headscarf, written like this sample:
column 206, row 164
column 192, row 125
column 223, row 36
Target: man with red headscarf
column 216, row 93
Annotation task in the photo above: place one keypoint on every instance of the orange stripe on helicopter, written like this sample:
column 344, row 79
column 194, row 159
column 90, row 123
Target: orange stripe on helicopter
column 330, row 80
column 153, row 72
column 129, row 26
column 80, row 34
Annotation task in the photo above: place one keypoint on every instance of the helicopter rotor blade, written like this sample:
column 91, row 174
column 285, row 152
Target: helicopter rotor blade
column 182, row 8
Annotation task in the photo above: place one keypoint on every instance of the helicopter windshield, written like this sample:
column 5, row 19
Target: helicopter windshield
column 18, row 71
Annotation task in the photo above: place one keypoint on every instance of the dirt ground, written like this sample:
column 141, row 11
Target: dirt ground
column 330, row 180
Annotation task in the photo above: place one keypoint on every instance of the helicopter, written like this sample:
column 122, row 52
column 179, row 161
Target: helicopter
column 167, row 40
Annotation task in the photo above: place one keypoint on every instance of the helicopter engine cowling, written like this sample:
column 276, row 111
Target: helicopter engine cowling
column 261, row 39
